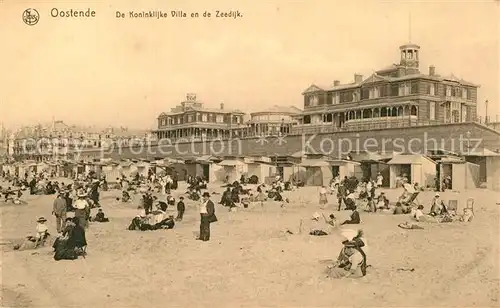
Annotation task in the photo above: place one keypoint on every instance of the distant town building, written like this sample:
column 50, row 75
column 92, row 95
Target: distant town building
column 60, row 141
column 398, row 95
column 275, row 120
column 191, row 120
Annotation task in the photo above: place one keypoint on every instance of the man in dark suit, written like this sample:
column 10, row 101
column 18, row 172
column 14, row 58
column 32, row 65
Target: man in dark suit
column 207, row 216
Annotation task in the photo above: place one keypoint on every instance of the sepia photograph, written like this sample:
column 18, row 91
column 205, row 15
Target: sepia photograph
column 249, row 153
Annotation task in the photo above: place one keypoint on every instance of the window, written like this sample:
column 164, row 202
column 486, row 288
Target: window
column 448, row 90
column 432, row 111
column 204, row 117
column 464, row 113
column 402, row 89
column 190, row 118
column 432, row 89
column 336, row 98
column 458, row 92
column 346, row 97
column 394, row 89
column 469, row 94
column 384, row 90
column 365, row 93
column 414, row 87
column 464, row 93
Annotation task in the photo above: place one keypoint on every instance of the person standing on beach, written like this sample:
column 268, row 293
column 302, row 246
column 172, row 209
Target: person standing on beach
column 322, row 196
column 207, row 216
column 59, row 211
column 180, row 209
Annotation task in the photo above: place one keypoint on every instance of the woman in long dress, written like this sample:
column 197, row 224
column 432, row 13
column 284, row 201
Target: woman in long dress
column 322, row 196
column 81, row 209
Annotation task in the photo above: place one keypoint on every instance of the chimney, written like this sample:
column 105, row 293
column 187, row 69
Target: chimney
column 221, row 106
column 432, row 70
column 358, row 78
column 336, row 83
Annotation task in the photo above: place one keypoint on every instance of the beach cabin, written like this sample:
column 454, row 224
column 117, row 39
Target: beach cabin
column 464, row 175
column 371, row 164
column 262, row 167
column 204, row 166
column 418, row 168
column 345, row 168
column 232, row 169
column 493, row 174
column 139, row 167
column 111, row 170
column 318, row 172
column 125, row 168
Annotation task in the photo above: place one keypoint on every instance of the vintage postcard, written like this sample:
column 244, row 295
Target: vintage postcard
column 249, row 153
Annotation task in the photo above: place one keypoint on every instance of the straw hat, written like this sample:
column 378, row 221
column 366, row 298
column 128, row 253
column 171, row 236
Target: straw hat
column 81, row 193
column 41, row 219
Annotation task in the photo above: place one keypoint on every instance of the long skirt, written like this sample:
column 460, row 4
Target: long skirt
column 338, row 272
column 82, row 217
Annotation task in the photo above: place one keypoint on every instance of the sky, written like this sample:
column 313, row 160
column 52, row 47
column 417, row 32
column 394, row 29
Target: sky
column 125, row 72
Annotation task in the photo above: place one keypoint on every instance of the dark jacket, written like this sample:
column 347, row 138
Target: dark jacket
column 210, row 216
column 60, row 206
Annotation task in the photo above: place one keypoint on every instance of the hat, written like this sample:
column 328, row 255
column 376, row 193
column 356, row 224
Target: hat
column 41, row 219
column 349, row 244
column 80, row 193
column 436, row 195
column 206, row 194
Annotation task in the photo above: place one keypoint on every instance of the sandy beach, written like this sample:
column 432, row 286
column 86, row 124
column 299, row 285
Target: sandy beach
column 250, row 260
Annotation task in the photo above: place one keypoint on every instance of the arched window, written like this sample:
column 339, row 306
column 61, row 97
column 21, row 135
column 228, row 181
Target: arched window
column 400, row 111
column 383, row 112
column 413, row 111
column 367, row 113
column 394, row 112
column 406, row 111
column 376, row 113
column 358, row 114
column 307, row 119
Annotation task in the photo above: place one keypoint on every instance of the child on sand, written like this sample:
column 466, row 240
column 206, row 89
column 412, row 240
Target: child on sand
column 322, row 196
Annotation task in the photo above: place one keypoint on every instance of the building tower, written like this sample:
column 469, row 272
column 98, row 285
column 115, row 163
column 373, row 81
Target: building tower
column 410, row 55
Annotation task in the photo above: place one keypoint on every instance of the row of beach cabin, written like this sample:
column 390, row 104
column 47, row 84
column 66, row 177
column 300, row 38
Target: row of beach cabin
column 311, row 169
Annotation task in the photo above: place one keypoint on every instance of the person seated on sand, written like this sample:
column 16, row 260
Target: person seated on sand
column 350, row 201
column 437, row 206
column 370, row 205
column 39, row 239
column 100, row 217
column 354, row 219
column 467, row 216
column 278, row 196
column 350, row 263
column 401, row 209
column 193, row 195
column 125, row 196
column 142, row 223
column 170, row 200
column 382, row 202
column 161, row 205
column 261, row 196
column 419, row 215
column 226, row 197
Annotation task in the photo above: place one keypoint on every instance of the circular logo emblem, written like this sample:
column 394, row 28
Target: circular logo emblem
column 31, row 17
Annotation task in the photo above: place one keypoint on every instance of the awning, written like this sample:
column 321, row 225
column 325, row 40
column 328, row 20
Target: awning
column 231, row 162
column 314, row 163
column 481, row 152
column 412, row 159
